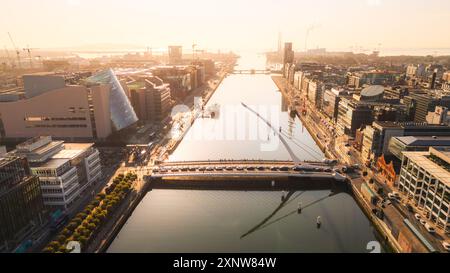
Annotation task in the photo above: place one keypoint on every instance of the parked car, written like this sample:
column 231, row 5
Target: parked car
column 423, row 222
column 429, row 228
column 417, row 216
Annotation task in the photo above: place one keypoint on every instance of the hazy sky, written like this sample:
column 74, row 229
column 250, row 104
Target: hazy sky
column 228, row 24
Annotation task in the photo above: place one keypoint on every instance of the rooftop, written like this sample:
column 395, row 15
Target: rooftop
column 425, row 140
column 424, row 160
column 52, row 163
column 72, row 150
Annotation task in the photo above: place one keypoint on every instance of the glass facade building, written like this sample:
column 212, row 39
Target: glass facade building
column 21, row 205
column 122, row 113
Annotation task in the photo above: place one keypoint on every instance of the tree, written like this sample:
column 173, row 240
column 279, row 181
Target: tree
column 48, row 249
column 81, row 215
column 83, row 240
column 92, row 227
column 77, row 220
column 61, row 238
column 66, row 232
column 54, row 244
column 72, row 225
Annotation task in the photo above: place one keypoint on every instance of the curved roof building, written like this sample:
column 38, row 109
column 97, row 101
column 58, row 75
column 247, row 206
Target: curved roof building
column 122, row 112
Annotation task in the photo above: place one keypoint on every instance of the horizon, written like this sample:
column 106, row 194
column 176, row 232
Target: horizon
column 350, row 25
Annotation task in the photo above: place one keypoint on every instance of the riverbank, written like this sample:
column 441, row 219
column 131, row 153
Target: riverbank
column 118, row 220
column 281, row 84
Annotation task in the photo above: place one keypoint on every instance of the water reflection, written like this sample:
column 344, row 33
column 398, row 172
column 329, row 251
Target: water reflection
column 230, row 221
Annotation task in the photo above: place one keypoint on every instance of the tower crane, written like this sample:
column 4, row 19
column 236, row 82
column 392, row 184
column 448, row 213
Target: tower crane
column 17, row 50
column 28, row 49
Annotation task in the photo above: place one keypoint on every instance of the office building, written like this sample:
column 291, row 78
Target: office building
column 425, row 177
column 351, row 116
column 420, row 103
column 377, row 136
column 151, row 99
column 315, row 93
column 397, row 145
column 21, row 206
column 65, row 170
column 441, row 115
column 374, row 77
column 330, row 103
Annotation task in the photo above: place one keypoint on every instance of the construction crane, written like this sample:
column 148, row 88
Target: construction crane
column 17, row 50
column 28, row 49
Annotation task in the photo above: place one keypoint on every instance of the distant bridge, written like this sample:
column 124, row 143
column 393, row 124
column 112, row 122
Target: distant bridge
column 251, row 71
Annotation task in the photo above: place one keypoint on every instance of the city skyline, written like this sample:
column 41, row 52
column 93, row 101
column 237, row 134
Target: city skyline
column 349, row 25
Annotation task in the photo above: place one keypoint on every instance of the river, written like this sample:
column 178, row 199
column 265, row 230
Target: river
column 245, row 221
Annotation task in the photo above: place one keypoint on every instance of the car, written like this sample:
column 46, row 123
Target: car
column 274, row 168
column 392, row 196
column 423, row 222
column 239, row 168
column 284, row 169
column 209, row 169
column 429, row 228
column 219, row 168
column 417, row 216
column 297, row 168
column 250, row 168
column 202, row 169
column 192, row 169
column 261, row 168
column 347, row 145
column 184, row 169
column 446, row 245
column 229, row 168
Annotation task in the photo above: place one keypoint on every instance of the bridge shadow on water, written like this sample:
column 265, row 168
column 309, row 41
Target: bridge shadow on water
column 266, row 221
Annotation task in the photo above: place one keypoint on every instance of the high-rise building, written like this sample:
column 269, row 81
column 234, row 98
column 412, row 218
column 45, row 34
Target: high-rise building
column 175, row 54
column 21, row 205
column 288, row 55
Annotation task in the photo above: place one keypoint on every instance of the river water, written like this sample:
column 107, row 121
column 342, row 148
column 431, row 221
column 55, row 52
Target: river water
column 245, row 221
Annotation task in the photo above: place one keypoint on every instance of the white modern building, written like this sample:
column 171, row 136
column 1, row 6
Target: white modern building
column 65, row 170
column 425, row 178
